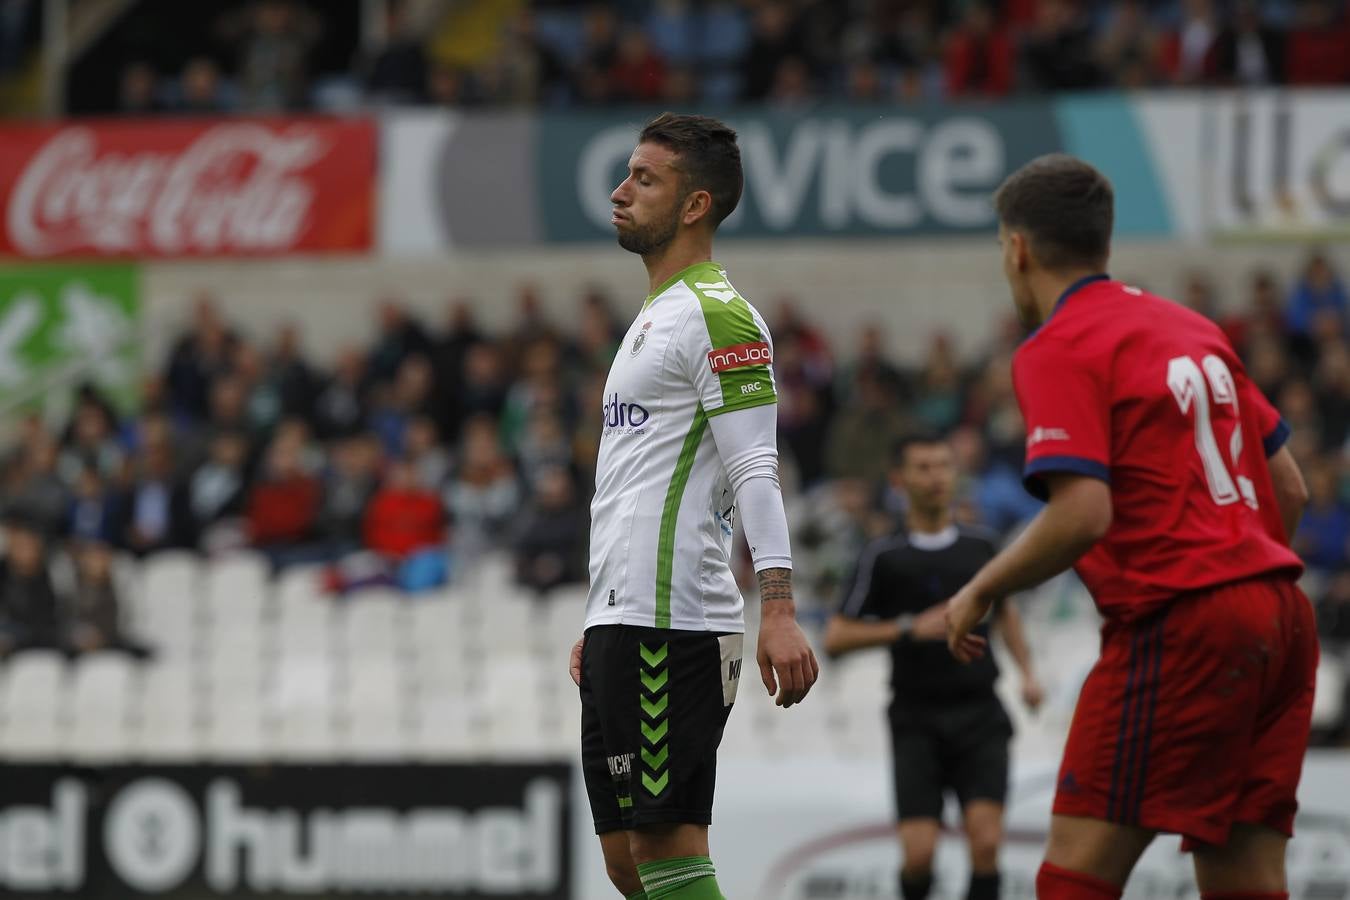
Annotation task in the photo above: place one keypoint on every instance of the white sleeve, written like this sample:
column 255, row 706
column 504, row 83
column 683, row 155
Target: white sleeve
column 747, row 444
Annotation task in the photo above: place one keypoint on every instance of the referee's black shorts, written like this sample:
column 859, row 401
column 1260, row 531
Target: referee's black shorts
column 654, row 703
column 961, row 746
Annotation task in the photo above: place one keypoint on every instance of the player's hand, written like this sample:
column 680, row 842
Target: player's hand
column 931, row 624
column 1033, row 695
column 964, row 612
column 574, row 666
column 786, row 662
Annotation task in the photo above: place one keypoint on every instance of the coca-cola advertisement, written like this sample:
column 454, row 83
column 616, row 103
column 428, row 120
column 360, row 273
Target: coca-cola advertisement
column 229, row 187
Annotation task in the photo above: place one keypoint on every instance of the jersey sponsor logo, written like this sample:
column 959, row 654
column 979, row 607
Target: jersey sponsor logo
column 623, row 418
column 753, row 387
column 641, row 340
column 740, row 356
column 1040, row 435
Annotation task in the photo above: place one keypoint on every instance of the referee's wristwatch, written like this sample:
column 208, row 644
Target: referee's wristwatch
column 906, row 626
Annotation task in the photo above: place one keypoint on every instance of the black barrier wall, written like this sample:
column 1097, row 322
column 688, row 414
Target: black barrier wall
column 190, row 832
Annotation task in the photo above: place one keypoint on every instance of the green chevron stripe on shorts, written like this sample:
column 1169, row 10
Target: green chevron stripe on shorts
column 654, row 701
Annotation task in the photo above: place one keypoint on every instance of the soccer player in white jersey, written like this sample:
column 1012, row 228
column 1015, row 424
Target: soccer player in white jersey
column 689, row 440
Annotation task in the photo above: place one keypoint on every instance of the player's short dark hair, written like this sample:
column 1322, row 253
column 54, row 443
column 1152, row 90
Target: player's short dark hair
column 708, row 158
column 900, row 452
column 1064, row 206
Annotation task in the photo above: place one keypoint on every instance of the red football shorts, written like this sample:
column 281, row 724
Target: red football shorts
column 1197, row 716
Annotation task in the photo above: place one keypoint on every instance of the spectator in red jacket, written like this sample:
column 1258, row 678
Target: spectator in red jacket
column 1318, row 51
column 979, row 57
column 403, row 517
column 284, row 504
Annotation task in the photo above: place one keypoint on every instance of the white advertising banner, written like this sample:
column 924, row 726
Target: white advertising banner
column 822, row 830
column 1279, row 164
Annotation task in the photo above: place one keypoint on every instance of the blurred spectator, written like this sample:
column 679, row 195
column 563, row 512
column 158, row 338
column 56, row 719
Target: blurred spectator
column 1318, row 291
column 1316, row 50
column 871, row 361
column 939, row 406
column 96, row 612
column 1128, row 47
column 639, row 73
column 394, row 406
column 774, row 41
column 283, row 506
column 43, row 495
column 979, row 55
column 157, row 513
column 217, row 488
column 398, row 73
column 1249, row 52
column 863, row 433
column 804, row 404
column 29, row 611
column 15, row 19
column 400, row 337
column 552, row 538
column 483, row 494
column 92, row 442
column 599, row 53
column 1332, row 385
column 1324, row 531
column 273, row 40
column 198, row 357
column 93, row 511
column 864, row 82
column 199, row 88
column 350, row 482
column 1057, row 53
column 792, row 84
column 992, row 485
column 138, row 93
column 403, row 517
column 1189, row 53
column 422, row 448
column 340, row 407
column 1333, row 612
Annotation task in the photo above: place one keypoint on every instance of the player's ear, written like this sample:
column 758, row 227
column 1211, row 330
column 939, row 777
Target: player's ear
column 1021, row 251
column 697, row 205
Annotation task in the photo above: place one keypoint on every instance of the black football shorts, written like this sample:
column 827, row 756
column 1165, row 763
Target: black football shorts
column 654, row 703
column 960, row 746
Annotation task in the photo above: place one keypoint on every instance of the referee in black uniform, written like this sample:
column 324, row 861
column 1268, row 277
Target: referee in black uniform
column 948, row 729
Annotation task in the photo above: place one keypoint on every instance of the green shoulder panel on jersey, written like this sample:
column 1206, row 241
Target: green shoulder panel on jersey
column 735, row 338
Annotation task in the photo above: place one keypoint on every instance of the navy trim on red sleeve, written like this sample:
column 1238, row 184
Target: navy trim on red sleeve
column 1276, row 439
column 1077, row 465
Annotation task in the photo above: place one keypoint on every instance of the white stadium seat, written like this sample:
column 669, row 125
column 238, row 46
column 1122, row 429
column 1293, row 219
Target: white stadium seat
column 35, row 705
column 100, row 709
column 167, row 713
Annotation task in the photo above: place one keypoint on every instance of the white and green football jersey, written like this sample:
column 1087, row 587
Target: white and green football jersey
column 661, row 520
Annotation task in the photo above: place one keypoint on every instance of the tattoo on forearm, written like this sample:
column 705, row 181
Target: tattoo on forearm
column 775, row 584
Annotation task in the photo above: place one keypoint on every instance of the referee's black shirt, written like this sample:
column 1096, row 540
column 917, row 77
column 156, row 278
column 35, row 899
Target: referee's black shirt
column 907, row 574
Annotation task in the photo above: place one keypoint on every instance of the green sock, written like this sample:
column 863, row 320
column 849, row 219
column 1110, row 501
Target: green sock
column 640, row 895
column 684, row 878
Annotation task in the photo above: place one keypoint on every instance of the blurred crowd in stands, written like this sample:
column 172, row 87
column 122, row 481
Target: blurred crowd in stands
column 274, row 55
column 409, row 459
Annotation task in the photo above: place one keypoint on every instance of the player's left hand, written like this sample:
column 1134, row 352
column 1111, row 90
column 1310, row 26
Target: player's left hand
column 964, row 612
column 574, row 664
column 1033, row 695
column 787, row 663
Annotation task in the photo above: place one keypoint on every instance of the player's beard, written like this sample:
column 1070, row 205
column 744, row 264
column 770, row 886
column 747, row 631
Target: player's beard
column 653, row 237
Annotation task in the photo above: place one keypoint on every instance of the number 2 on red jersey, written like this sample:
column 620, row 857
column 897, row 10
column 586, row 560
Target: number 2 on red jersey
column 1192, row 388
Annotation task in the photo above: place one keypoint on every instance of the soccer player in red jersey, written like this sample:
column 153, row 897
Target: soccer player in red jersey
column 1170, row 491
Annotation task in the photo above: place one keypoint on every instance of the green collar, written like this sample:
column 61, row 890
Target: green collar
column 681, row 276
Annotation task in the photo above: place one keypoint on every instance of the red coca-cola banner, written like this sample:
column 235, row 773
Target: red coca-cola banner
column 228, row 187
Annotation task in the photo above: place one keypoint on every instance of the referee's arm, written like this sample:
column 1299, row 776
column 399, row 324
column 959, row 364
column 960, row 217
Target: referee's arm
column 1009, row 622
column 855, row 627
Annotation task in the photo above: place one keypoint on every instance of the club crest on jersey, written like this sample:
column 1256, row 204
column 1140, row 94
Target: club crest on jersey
column 641, row 340
column 740, row 356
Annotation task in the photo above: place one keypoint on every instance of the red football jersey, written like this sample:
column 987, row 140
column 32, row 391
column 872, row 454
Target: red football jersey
column 1149, row 396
